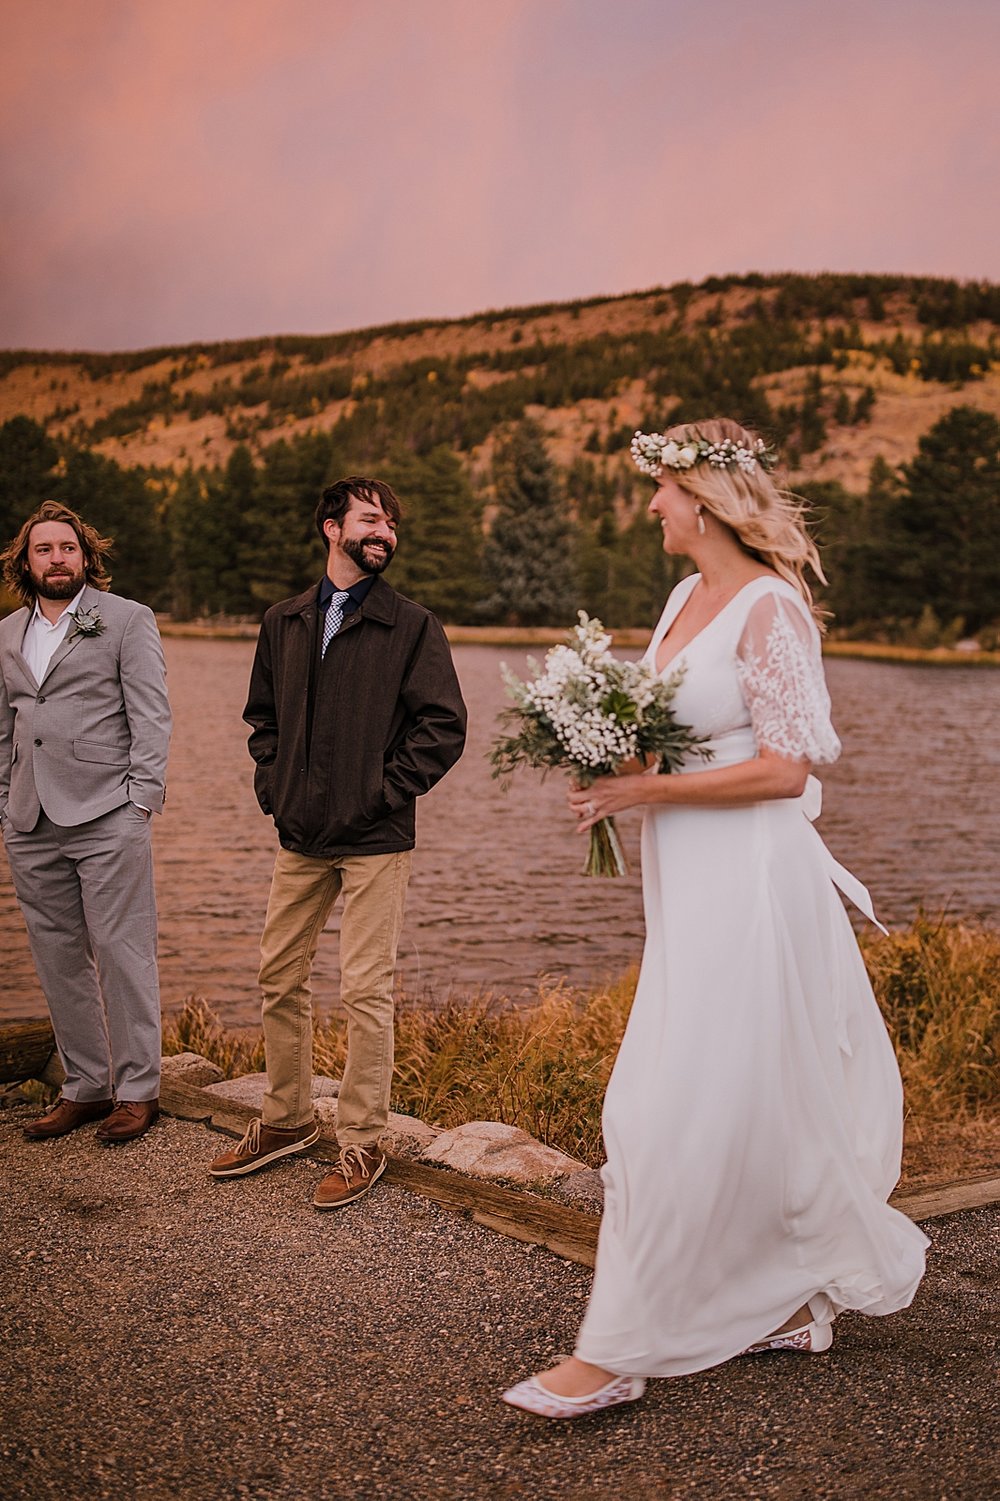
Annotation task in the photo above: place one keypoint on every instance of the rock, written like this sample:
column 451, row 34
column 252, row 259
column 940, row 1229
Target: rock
column 249, row 1089
column 404, row 1136
column 190, row 1068
column 487, row 1149
column 581, row 1191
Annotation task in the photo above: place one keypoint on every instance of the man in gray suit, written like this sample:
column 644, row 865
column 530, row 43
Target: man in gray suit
column 84, row 728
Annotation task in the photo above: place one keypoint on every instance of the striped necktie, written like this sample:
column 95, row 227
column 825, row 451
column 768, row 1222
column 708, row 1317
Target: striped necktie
column 334, row 617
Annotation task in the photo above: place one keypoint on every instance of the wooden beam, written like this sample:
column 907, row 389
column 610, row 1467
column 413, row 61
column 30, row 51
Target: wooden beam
column 567, row 1232
column 25, row 1049
column 571, row 1233
column 939, row 1199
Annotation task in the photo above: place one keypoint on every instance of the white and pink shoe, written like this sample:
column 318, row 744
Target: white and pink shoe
column 811, row 1339
column 532, row 1396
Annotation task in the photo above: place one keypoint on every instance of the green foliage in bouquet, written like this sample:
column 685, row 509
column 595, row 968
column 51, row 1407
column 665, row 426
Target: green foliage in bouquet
column 587, row 713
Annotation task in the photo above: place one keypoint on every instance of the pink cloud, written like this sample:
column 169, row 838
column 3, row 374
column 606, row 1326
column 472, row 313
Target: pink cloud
column 175, row 170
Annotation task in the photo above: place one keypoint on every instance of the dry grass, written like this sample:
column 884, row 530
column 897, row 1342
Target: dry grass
column 545, row 1066
column 938, row 984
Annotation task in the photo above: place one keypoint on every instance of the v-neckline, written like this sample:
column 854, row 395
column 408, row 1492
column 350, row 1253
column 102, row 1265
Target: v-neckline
column 708, row 623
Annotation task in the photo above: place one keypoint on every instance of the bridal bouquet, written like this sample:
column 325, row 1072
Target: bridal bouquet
column 587, row 713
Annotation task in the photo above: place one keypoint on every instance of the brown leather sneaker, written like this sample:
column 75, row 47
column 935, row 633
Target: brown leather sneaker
column 356, row 1174
column 263, row 1144
column 66, row 1116
column 128, row 1120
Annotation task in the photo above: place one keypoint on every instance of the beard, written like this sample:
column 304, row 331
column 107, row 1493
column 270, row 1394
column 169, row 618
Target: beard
column 58, row 584
column 370, row 556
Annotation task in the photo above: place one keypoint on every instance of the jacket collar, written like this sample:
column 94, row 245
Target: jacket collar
column 379, row 603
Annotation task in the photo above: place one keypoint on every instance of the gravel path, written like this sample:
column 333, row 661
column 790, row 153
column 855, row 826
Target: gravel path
column 166, row 1336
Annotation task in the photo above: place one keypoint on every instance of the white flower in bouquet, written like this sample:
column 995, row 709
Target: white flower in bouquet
column 588, row 713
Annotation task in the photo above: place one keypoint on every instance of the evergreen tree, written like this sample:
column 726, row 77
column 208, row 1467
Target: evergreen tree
column 232, row 497
column 642, row 574
column 948, row 519
column 595, row 558
column 192, row 578
column 198, row 560
column 526, row 559
column 121, row 505
column 281, row 552
column 27, row 460
column 439, row 554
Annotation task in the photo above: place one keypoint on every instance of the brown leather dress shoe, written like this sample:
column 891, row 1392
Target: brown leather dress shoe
column 66, row 1116
column 129, row 1119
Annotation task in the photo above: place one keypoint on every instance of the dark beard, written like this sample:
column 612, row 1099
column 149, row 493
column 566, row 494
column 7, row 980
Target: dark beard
column 59, row 588
column 374, row 563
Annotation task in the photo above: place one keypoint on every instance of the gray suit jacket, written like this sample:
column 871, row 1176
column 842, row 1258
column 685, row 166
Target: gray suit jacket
column 94, row 733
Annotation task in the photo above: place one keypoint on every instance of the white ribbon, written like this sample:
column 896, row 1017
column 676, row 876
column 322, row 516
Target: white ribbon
column 811, row 803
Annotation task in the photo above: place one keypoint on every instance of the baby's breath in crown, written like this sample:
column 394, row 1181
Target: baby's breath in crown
column 653, row 453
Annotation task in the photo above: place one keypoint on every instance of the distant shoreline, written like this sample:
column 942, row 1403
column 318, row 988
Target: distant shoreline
column 632, row 637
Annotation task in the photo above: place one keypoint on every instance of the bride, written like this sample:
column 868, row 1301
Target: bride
column 753, row 1120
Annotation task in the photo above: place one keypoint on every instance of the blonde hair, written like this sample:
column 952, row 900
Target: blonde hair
column 769, row 522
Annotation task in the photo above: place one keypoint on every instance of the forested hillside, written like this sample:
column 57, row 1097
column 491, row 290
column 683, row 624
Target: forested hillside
column 507, row 436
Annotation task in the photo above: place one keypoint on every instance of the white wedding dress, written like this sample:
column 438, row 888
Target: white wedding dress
column 753, row 1120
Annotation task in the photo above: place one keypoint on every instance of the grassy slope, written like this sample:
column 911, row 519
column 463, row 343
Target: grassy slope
column 64, row 390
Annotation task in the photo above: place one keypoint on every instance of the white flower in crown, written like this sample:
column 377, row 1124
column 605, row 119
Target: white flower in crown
column 652, row 453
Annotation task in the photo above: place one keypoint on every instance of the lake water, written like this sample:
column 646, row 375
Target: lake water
column 496, row 897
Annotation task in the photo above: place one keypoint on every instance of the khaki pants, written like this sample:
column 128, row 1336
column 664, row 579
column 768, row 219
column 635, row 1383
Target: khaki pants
column 303, row 891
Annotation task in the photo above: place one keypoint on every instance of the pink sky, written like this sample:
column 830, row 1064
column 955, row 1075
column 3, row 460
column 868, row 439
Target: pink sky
column 177, row 170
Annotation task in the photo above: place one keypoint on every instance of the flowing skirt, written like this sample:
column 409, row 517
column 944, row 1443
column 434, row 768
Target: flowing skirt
column 753, row 1120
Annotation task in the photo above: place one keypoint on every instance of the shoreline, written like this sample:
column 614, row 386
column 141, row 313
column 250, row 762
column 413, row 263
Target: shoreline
column 629, row 637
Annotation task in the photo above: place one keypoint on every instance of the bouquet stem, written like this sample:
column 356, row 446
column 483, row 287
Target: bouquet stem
column 605, row 856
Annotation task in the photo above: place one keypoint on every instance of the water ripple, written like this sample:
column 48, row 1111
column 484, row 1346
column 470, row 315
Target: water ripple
column 497, row 897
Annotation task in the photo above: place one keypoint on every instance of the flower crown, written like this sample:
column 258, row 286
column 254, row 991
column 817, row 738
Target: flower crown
column 652, row 453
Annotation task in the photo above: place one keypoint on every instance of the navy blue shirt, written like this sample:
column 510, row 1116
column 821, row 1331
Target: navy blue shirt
column 355, row 594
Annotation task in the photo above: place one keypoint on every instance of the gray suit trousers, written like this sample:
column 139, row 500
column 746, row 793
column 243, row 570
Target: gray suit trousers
column 87, row 898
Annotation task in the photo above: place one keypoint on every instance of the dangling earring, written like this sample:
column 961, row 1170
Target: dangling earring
column 701, row 519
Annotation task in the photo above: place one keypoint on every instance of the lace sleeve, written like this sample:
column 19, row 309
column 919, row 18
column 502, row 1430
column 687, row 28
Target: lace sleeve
column 781, row 674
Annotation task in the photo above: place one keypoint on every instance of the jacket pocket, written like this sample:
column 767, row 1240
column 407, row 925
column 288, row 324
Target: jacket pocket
column 263, row 783
column 94, row 750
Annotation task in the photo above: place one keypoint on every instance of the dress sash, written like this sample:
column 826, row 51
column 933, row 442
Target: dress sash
column 811, row 803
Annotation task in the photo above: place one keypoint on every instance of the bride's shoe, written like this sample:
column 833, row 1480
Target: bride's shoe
column 811, row 1339
column 532, row 1396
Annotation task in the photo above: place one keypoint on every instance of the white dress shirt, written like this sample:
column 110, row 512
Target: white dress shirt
column 42, row 639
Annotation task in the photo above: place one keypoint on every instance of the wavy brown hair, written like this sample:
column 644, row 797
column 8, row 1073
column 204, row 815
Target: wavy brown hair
column 95, row 548
column 769, row 521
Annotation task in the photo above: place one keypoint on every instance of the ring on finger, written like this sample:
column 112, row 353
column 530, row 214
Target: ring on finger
column 589, row 809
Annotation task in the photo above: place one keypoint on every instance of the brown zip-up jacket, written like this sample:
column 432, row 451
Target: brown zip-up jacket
column 387, row 721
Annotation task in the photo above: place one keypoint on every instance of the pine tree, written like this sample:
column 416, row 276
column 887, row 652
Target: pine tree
column 192, row 577
column 526, row 559
column 27, row 460
column 231, row 499
column 948, row 519
column 121, row 505
column 281, row 552
column 438, row 557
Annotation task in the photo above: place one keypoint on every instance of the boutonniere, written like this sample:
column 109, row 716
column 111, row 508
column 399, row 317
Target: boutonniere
column 87, row 623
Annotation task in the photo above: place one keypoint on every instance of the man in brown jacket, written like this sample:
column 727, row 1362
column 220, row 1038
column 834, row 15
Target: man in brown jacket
column 355, row 711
